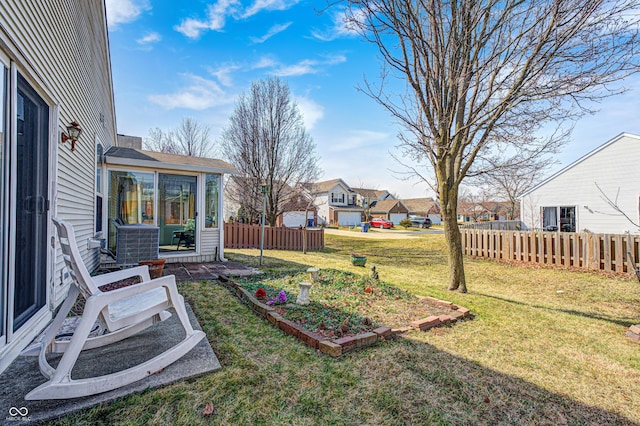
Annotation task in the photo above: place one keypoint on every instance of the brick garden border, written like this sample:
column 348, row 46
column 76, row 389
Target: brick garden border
column 339, row 347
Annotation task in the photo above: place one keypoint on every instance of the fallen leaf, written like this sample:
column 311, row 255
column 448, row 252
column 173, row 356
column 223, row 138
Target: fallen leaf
column 486, row 400
column 208, row 409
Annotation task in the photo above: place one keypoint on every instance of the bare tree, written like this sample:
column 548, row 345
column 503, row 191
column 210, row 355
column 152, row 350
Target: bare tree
column 268, row 144
column 159, row 141
column 483, row 77
column 615, row 205
column 531, row 211
column 507, row 183
column 474, row 202
column 189, row 138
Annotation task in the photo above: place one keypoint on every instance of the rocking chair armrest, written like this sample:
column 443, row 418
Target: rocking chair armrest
column 106, row 298
column 111, row 277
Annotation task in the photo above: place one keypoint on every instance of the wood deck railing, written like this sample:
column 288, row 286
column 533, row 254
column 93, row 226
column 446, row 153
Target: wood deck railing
column 606, row 252
column 240, row 235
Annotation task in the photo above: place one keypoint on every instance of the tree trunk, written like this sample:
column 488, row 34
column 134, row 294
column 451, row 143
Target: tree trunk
column 453, row 238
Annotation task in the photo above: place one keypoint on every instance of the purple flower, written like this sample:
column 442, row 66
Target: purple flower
column 282, row 297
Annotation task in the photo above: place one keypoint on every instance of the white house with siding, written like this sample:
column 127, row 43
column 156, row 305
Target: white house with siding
column 574, row 199
column 55, row 71
column 337, row 203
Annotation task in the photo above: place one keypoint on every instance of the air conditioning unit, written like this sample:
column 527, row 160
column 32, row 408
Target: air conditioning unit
column 135, row 243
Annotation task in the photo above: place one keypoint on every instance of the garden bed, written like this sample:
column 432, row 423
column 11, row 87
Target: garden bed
column 346, row 311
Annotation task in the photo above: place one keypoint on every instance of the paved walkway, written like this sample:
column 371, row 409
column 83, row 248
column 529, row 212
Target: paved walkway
column 206, row 271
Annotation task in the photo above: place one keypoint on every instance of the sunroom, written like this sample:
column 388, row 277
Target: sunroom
column 170, row 203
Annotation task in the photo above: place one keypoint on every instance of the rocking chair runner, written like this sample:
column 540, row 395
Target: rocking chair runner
column 123, row 312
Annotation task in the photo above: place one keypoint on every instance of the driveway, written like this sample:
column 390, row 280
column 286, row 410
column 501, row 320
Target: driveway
column 383, row 234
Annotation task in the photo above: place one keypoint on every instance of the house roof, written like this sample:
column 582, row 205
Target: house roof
column 422, row 206
column 482, row 207
column 580, row 160
column 159, row 160
column 370, row 193
column 385, row 206
column 325, row 186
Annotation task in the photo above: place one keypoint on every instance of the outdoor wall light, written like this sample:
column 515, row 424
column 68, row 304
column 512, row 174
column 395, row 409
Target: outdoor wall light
column 72, row 134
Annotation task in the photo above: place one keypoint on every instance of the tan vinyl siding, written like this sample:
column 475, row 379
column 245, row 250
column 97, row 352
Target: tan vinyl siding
column 61, row 46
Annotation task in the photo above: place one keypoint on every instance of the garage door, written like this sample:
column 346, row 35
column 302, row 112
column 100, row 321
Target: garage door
column 436, row 219
column 397, row 217
column 295, row 219
column 349, row 218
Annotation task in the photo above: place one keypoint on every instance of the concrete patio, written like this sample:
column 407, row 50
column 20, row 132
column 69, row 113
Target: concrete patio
column 24, row 375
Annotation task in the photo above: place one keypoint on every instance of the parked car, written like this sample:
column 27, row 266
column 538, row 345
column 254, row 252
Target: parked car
column 381, row 223
column 420, row 222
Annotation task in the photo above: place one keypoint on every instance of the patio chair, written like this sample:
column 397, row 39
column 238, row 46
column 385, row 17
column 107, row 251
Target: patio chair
column 123, row 313
column 186, row 235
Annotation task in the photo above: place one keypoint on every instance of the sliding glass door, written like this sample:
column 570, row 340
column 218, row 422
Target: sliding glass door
column 4, row 111
column 177, row 212
column 32, row 203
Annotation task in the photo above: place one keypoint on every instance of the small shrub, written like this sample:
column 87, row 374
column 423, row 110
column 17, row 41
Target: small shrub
column 406, row 223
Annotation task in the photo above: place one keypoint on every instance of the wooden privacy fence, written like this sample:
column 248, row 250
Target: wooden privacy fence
column 241, row 235
column 496, row 225
column 604, row 252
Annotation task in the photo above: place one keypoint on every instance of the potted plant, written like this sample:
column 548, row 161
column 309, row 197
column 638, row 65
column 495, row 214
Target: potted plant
column 358, row 260
column 155, row 267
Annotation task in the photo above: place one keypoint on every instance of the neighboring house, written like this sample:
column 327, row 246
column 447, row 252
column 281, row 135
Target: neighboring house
column 392, row 210
column 473, row 212
column 365, row 197
column 424, row 207
column 570, row 199
column 483, row 211
column 297, row 210
column 337, row 203
column 295, row 205
column 500, row 210
column 55, row 76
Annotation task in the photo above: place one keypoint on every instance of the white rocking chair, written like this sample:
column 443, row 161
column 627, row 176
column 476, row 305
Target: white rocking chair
column 123, row 313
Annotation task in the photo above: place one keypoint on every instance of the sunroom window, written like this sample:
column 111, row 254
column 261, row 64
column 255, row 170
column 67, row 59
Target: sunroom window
column 212, row 185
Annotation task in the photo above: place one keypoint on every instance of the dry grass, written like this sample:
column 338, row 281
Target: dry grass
column 531, row 355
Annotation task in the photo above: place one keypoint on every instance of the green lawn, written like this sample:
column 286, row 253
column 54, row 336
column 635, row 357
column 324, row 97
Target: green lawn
column 532, row 355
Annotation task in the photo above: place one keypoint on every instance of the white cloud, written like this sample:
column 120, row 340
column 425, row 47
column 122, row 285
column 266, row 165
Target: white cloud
column 357, row 139
column 223, row 74
column 124, row 11
column 342, row 27
column 199, row 94
column 192, row 28
column 304, row 67
column 307, row 66
column 261, row 5
column 216, row 19
column 311, row 111
column 272, row 31
column 150, row 38
column 265, row 62
column 218, row 13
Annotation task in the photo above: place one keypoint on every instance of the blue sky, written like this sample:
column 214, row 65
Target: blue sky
column 192, row 58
